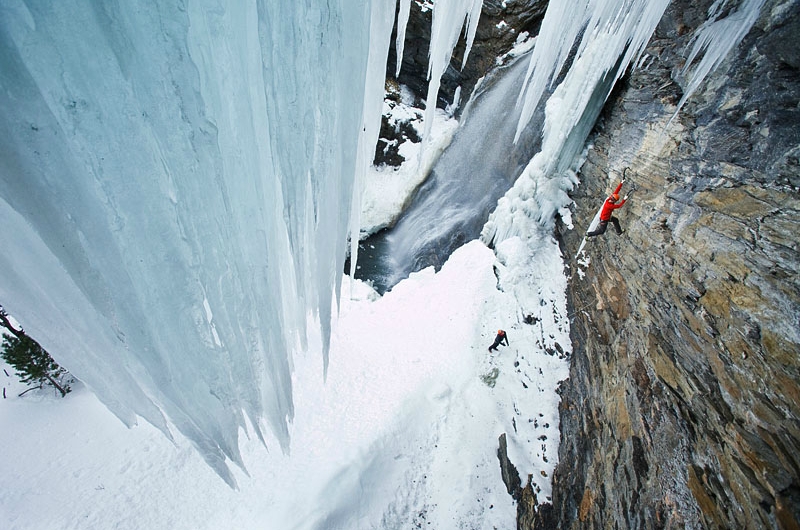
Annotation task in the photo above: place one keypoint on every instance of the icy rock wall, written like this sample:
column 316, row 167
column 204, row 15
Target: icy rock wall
column 682, row 406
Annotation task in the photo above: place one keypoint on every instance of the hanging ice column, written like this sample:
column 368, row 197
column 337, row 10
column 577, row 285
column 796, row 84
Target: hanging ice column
column 716, row 38
column 449, row 16
column 175, row 191
column 380, row 35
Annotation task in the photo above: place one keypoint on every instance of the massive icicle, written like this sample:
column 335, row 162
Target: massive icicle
column 621, row 28
column 380, row 35
column 175, row 184
column 176, row 192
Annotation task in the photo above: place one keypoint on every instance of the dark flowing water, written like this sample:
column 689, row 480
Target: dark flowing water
column 453, row 204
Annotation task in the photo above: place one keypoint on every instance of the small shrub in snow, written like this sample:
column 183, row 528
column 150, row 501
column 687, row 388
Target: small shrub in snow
column 32, row 363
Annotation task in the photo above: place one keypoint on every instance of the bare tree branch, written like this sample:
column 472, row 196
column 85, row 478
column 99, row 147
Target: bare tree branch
column 7, row 324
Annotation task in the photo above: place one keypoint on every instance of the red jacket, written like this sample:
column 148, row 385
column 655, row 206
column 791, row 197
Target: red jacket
column 609, row 206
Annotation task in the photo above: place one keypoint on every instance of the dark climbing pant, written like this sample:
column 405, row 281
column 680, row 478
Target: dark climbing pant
column 495, row 345
column 601, row 228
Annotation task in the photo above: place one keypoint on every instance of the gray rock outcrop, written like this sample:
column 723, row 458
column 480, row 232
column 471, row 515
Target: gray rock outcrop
column 683, row 403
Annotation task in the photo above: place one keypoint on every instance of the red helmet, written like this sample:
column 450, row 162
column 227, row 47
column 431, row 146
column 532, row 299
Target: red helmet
column 500, row 331
column 615, row 196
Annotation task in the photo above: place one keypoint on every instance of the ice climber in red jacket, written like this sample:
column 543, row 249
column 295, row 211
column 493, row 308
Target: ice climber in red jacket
column 605, row 214
column 501, row 336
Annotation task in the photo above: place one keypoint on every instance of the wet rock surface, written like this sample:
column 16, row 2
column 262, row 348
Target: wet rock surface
column 683, row 403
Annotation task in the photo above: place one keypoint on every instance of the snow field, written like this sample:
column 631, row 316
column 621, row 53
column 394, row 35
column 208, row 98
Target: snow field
column 404, row 430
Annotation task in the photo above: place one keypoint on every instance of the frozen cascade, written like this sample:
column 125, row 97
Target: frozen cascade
column 612, row 34
column 176, row 191
column 175, row 185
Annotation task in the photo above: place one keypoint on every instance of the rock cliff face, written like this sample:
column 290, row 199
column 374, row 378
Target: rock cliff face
column 683, row 403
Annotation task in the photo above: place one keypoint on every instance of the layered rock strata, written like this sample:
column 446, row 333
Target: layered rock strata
column 683, row 404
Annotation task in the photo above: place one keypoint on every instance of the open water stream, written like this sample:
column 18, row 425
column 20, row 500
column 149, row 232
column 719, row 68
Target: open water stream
column 451, row 207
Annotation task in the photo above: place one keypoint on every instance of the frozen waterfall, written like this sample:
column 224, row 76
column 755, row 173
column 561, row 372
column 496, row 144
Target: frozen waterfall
column 176, row 189
column 176, row 185
column 591, row 44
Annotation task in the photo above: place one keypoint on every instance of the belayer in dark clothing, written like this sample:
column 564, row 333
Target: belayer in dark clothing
column 501, row 336
column 606, row 213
